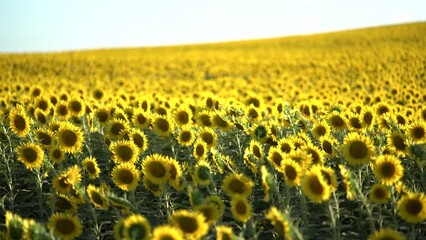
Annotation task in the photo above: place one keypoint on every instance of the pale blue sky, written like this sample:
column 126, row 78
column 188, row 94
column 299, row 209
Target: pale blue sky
column 55, row 25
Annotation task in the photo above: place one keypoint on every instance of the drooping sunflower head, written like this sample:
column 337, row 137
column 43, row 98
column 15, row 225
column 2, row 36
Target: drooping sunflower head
column 156, row 189
column 156, row 168
column 69, row 137
column 125, row 176
column 63, row 202
column 65, row 225
column 209, row 211
column 357, row 149
column 31, row 155
column 217, row 202
column 280, row 222
column 237, row 184
column 15, row 226
column 97, row 197
column 202, row 173
column 219, row 121
column 192, row 224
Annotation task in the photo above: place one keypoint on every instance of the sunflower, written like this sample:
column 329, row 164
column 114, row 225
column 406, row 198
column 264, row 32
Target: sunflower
column 31, row 155
column 156, row 189
column 251, row 161
column 386, row 234
column 156, row 168
column 301, row 157
column 167, row 232
column 192, row 224
column 202, row 173
column 40, row 117
column 285, row 145
column 141, row 118
column 237, row 184
column 64, row 181
column 208, row 136
column 267, row 183
column 204, row 118
column 397, row 143
column 275, row 157
column 368, row 117
column 354, row 122
column 44, row 137
column 115, row 127
column 417, row 132
column 314, row 186
column 103, row 115
column 162, row 125
column 56, row 154
column 19, row 122
column 217, row 202
column 209, row 211
column 317, row 156
column 15, row 226
column 70, row 138
column 224, row 233
column 63, row 203
column 382, row 108
column 186, row 136
column 61, row 110
column 328, row 144
column 119, row 229
column 136, row 227
column 320, row 128
column 125, row 176
column 388, row 169
column 200, row 150
column 65, row 225
column 256, row 149
column 292, row 172
column 357, row 149
column 412, row 207
column 90, row 165
column 183, row 116
column 379, row 193
column 347, row 182
column 76, row 107
column 221, row 122
column 337, row 120
column 280, row 222
column 139, row 139
column 124, row 151
column 42, row 103
column 241, row 208
column 329, row 176
column 96, row 197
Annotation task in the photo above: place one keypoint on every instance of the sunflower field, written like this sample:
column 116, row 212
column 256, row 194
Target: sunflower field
column 305, row 137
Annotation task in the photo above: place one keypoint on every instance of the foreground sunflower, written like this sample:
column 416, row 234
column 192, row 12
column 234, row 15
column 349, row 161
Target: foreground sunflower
column 209, row 211
column 125, row 176
column 388, row 169
column 65, row 225
column 237, row 184
column 314, row 186
column 224, row 233
column 70, row 138
column 192, row 224
column 136, row 227
column 31, row 155
column 167, row 232
column 386, row 234
column 241, row 208
column 412, row 207
column 357, row 149
column 15, row 226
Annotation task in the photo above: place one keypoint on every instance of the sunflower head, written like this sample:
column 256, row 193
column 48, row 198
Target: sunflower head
column 31, row 155
column 388, row 169
column 241, row 208
column 379, row 193
column 280, row 222
column 202, row 173
column 192, row 224
column 90, row 165
column 19, row 122
column 412, row 207
column 167, row 232
column 224, row 233
column 136, row 227
column 65, row 225
column 237, row 184
column 357, row 149
column 97, row 197
column 125, row 176
column 386, row 234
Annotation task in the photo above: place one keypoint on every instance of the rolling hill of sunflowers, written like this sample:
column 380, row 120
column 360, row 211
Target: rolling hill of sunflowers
column 308, row 137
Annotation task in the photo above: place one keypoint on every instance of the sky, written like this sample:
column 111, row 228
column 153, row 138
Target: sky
column 62, row 25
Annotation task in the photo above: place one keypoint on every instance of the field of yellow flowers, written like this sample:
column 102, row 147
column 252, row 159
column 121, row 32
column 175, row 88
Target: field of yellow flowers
column 306, row 137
